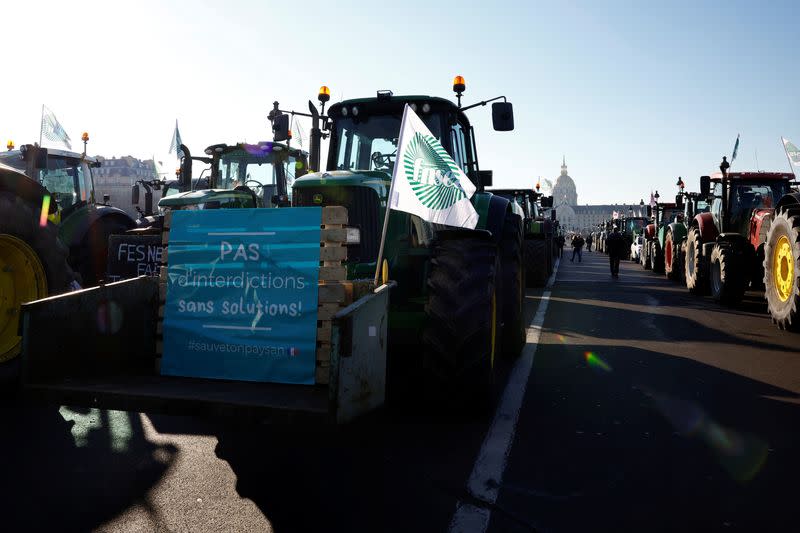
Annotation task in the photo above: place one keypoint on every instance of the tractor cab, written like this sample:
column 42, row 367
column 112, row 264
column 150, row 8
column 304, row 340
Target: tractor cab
column 737, row 197
column 66, row 176
column 241, row 175
column 365, row 133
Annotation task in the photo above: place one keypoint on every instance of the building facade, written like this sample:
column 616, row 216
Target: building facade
column 115, row 177
column 583, row 218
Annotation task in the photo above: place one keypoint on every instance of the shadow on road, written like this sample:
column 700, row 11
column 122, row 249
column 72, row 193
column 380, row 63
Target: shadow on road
column 73, row 470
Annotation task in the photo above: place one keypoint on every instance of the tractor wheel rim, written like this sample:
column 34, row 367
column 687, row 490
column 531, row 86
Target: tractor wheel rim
column 22, row 279
column 783, row 268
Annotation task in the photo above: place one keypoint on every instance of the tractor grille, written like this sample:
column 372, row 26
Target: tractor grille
column 362, row 210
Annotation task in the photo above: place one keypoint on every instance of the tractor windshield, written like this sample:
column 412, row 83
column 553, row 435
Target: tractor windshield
column 68, row 180
column 744, row 197
column 671, row 215
column 258, row 170
column 634, row 225
column 370, row 142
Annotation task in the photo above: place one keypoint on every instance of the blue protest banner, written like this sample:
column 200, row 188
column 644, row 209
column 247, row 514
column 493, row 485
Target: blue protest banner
column 242, row 294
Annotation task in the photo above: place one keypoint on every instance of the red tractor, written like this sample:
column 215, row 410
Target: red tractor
column 725, row 247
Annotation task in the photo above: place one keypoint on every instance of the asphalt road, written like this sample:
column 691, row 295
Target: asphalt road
column 645, row 409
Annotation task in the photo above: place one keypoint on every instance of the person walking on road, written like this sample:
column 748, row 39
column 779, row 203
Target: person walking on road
column 577, row 247
column 589, row 243
column 561, row 242
column 616, row 249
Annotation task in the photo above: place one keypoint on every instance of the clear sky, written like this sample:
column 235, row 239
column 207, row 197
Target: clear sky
column 633, row 93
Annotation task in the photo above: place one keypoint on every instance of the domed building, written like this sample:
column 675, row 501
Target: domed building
column 582, row 218
column 564, row 192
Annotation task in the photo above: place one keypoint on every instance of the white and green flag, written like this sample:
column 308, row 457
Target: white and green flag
column 792, row 152
column 52, row 130
column 426, row 181
column 175, row 145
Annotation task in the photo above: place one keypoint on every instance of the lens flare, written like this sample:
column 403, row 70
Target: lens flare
column 45, row 210
column 595, row 362
column 742, row 455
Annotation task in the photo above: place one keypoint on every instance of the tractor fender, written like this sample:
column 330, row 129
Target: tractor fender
column 705, row 223
column 74, row 227
column 650, row 231
column 678, row 232
column 30, row 191
column 494, row 216
column 760, row 223
column 787, row 200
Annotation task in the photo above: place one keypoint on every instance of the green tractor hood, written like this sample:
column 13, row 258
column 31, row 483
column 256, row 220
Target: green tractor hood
column 377, row 180
column 208, row 198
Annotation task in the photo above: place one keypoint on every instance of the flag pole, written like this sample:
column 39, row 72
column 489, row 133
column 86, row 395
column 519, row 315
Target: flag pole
column 389, row 199
column 41, row 125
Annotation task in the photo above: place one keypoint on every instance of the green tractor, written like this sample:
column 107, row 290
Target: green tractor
column 239, row 176
column 460, row 291
column 84, row 224
column 677, row 231
column 53, row 234
column 655, row 233
column 538, row 232
column 631, row 227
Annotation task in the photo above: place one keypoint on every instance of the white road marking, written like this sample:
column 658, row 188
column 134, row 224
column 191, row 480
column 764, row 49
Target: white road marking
column 487, row 473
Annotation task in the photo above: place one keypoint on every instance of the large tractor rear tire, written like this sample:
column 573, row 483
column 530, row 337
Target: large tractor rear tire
column 647, row 258
column 33, row 265
column 727, row 277
column 696, row 280
column 90, row 257
column 461, row 333
column 781, row 270
column 535, row 266
column 513, row 287
column 657, row 259
column 672, row 263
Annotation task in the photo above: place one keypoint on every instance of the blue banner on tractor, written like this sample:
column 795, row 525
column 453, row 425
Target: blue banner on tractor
column 242, row 294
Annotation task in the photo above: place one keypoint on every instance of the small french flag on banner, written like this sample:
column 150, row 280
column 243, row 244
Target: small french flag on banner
column 294, row 352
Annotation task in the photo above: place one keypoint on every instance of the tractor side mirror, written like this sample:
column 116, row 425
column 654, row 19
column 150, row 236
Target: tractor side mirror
column 485, row 177
column 705, row 186
column 502, row 116
column 547, row 201
column 135, row 194
column 280, row 128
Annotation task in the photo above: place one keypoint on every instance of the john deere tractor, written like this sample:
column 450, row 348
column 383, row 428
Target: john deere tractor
column 84, row 224
column 239, row 176
column 460, row 291
column 725, row 248
column 538, row 229
column 676, row 232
